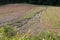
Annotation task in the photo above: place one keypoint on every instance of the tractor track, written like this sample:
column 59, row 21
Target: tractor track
column 25, row 21
column 20, row 23
column 37, row 16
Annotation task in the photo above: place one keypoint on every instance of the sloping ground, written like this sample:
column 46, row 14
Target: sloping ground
column 51, row 19
column 33, row 25
column 48, row 19
column 14, row 11
column 31, row 18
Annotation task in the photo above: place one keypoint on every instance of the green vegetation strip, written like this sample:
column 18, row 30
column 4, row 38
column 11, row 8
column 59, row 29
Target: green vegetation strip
column 9, row 33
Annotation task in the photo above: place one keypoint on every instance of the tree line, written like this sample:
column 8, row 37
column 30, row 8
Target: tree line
column 39, row 2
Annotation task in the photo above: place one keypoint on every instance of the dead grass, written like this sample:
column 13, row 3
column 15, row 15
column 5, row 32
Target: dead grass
column 51, row 19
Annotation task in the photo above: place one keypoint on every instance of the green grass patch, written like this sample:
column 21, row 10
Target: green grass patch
column 9, row 33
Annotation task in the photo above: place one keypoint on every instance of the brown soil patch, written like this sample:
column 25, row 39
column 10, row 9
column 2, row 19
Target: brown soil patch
column 12, row 11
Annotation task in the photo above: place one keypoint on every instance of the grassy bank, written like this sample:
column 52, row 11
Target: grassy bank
column 9, row 33
column 51, row 19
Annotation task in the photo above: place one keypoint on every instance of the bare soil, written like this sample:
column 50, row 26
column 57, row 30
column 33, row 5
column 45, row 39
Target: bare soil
column 13, row 11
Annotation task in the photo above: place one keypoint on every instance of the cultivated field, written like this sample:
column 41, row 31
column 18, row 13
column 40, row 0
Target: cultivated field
column 30, row 20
